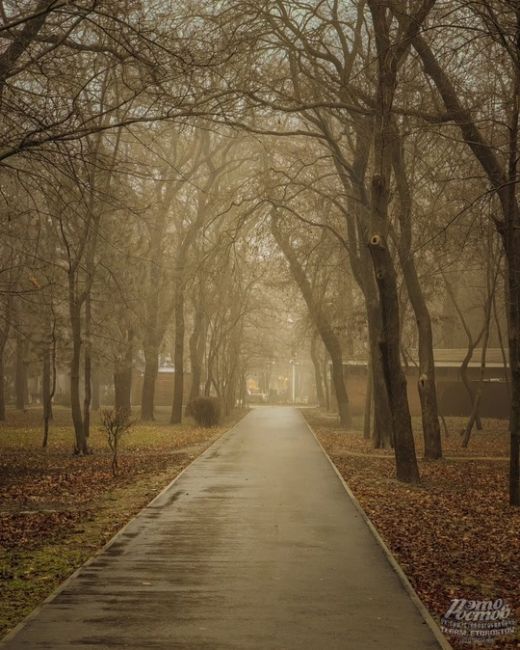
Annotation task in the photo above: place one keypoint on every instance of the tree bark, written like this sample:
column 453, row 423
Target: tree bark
column 326, row 386
column 315, row 357
column 504, row 183
column 514, row 358
column 387, row 60
column 321, row 322
column 197, row 345
column 46, row 391
column 2, row 386
column 96, row 388
column 367, row 416
column 123, row 378
column 357, row 218
column 80, row 446
column 426, row 381
column 49, row 381
column 178, row 360
column 4, row 335
column 87, row 367
column 383, row 433
column 151, row 368
column 20, row 369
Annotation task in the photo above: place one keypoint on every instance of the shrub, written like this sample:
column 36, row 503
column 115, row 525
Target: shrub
column 205, row 411
column 115, row 423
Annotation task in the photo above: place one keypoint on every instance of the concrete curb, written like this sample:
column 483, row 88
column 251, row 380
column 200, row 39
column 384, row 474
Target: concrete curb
column 428, row 618
column 12, row 633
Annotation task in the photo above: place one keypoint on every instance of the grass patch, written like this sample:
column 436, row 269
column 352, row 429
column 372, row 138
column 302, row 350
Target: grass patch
column 57, row 510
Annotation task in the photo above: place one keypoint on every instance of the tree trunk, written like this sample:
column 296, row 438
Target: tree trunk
column 87, row 369
column 491, row 281
column 96, row 388
column 338, row 379
column 382, row 434
column 357, row 218
column 20, row 370
column 512, row 246
column 471, row 343
column 46, row 392
column 329, row 338
column 4, row 335
column 367, row 416
column 178, row 361
column 123, row 378
column 404, row 444
column 80, row 446
column 151, row 368
column 2, row 386
column 49, row 378
column 320, row 394
column 505, row 184
column 325, row 375
column 426, row 381
column 197, row 345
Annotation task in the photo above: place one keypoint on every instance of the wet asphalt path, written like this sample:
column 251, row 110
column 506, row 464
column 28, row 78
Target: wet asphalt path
column 256, row 545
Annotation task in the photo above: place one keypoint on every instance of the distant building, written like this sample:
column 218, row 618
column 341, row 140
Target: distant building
column 452, row 396
column 163, row 385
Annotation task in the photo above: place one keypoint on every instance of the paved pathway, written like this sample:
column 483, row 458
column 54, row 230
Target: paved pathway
column 257, row 545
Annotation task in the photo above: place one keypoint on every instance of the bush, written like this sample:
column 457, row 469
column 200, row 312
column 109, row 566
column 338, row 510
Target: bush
column 115, row 423
column 205, row 411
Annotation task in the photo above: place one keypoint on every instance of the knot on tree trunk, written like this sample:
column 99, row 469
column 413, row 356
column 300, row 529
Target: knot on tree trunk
column 376, row 241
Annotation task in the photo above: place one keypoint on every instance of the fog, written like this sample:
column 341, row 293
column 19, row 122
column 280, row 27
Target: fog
column 244, row 204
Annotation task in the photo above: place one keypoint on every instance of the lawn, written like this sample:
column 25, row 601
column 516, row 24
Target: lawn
column 455, row 535
column 57, row 509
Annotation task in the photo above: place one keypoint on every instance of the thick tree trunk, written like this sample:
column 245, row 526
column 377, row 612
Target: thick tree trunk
column 122, row 389
column 96, row 388
column 395, row 380
column 388, row 60
column 367, row 415
column 326, row 385
column 320, row 394
column 80, row 446
column 197, row 345
column 178, row 354
column 151, row 368
column 123, row 378
column 338, row 379
column 512, row 246
column 382, row 434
